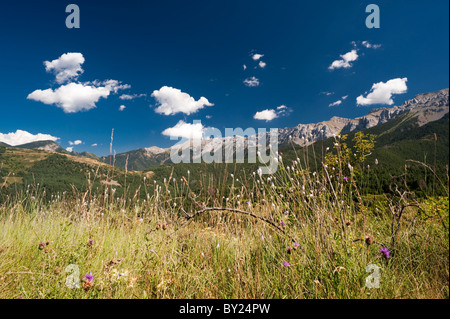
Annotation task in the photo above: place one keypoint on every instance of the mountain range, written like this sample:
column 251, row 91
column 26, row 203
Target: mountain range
column 423, row 109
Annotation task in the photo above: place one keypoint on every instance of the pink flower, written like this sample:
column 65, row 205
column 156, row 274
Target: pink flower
column 286, row 264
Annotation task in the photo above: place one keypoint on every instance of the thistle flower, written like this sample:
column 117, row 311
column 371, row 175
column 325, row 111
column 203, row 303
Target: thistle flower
column 282, row 224
column 89, row 277
column 346, row 178
column 286, row 264
column 385, row 252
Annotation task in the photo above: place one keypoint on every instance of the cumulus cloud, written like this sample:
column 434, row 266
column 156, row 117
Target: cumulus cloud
column 381, row 93
column 172, row 101
column 73, row 97
column 67, row 67
column 266, row 115
column 335, row 103
column 251, row 82
column 122, row 107
column 185, row 130
column 23, row 137
column 69, row 149
column 271, row 114
column 77, row 142
column 257, row 56
column 345, row 61
column 262, row 64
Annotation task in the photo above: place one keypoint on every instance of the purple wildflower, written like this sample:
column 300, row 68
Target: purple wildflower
column 89, row 277
column 296, row 245
column 282, row 224
column 385, row 252
column 152, row 251
column 286, row 264
column 346, row 178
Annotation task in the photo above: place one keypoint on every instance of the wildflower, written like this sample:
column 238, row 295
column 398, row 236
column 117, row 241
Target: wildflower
column 376, row 161
column 152, row 251
column 296, row 245
column 286, row 264
column 89, row 277
column 385, row 252
column 346, row 178
column 282, row 224
column 249, row 203
column 90, row 242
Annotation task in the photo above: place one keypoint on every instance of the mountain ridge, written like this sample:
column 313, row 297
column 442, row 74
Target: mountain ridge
column 425, row 107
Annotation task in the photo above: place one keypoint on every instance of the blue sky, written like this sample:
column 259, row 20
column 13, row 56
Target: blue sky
column 198, row 49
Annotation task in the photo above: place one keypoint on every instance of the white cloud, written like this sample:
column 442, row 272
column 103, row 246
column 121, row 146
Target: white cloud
column 262, row 64
column 23, row 137
column 72, row 98
column 67, row 67
column 335, row 103
column 381, row 93
column 172, row 101
column 271, row 114
column 185, row 130
column 128, row 97
column 94, row 145
column 369, row 45
column 345, row 97
column 111, row 85
column 257, row 56
column 122, row 107
column 69, row 149
column 327, row 93
column 245, row 67
column 266, row 115
column 251, row 82
column 77, row 142
column 345, row 62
